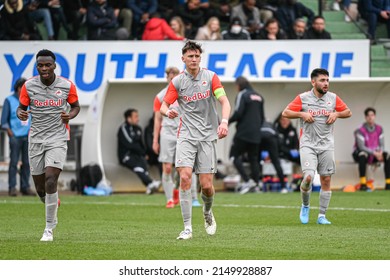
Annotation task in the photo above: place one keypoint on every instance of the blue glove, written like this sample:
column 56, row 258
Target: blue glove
column 294, row 153
column 264, row 155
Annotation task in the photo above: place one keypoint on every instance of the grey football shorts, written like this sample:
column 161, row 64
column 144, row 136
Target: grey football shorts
column 320, row 160
column 167, row 149
column 42, row 155
column 199, row 155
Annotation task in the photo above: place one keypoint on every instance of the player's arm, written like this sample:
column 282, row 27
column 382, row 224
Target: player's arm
column 24, row 101
column 294, row 111
column 170, row 97
column 341, row 111
column 223, row 126
column 74, row 111
column 156, row 125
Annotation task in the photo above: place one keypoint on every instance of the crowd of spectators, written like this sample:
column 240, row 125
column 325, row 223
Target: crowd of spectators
column 167, row 19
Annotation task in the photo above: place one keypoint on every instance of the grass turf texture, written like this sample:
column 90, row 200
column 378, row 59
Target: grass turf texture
column 252, row 226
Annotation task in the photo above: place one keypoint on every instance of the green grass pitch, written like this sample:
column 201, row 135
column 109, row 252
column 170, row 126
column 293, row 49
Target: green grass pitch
column 254, row 226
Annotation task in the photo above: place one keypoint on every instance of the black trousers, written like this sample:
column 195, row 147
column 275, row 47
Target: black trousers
column 363, row 161
column 139, row 166
column 270, row 144
column 238, row 150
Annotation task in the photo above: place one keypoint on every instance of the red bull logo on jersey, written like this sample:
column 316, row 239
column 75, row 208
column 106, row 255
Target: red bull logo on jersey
column 48, row 103
column 320, row 112
column 197, row 96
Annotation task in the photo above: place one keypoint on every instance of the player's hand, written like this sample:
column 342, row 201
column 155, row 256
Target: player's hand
column 65, row 117
column 307, row 117
column 22, row 114
column 172, row 113
column 156, row 147
column 378, row 155
column 222, row 130
column 332, row 118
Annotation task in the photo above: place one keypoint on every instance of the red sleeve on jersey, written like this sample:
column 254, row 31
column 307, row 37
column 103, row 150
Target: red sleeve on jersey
column 24, row 99
column 72, row 96
column 156, row 104
column 215, row 83
column 172, row 95
column 340, row 105
column 296, row 104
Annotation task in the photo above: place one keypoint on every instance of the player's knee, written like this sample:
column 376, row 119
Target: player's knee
column 185, row 181
column 168, row 168
column 51, row 182
column 307, row 181
column 363, row 154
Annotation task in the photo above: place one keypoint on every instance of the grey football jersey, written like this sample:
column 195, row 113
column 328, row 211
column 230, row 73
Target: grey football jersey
column 199, row 117
column 317, row 135
column 46, row 104
column 168, row 126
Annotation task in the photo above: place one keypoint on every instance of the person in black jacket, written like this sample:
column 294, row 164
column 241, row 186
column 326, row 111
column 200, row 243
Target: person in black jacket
column 131, row 150
column 317, row 30
column 289, row 11
column 249, row 115
column 288, row 139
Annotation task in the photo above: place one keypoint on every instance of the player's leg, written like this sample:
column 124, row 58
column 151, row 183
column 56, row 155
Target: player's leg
column 206, row 168
column 326, row 168
column 186, row 151
column 308, row 165
column 386, row 160
column 167, row 157
column 25, row 169
column 194, row 190
column 37, row 167
column 362, row 159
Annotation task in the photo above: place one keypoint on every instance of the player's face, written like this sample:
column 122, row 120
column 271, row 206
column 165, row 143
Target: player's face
column 45, row 68
column 370, row 118
column 321, row 84
column 192, row 60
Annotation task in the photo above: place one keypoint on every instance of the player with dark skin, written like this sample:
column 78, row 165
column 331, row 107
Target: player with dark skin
column 47, row 182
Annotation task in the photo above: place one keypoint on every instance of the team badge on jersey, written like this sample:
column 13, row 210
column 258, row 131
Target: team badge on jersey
column 58, row 92
column 204, row 83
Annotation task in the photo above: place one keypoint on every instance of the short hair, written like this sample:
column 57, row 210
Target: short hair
column 19, row 83
column 242, row 83
column 318, row 17
column 46, row 52
column 172, row 69
column 129, row 112
column 318, row 71
column 191, row 45
column 299, row 20
column 368, row 110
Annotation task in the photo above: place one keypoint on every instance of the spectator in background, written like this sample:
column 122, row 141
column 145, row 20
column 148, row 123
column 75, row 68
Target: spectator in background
column 269, row 148
column 177, row 25
column 131, row 150
column 101, row 21
column 210, row 31
column 266, row 9
column 288, row 139
column 142, row 10
column 158, row 29
column 369, row 148
column 298, row 31
column 289, row 11
column 192, row 16
column 167, row 8
column 249, row 15
column 124, row 15
column 249, row 115
column 14, row 17
column 374, row 11
column 271, row 31
column 236, row 31
column 17, row 131
column 222, row 9
column 76, row 15
column 37, row 12
column 317, row 30
column 58, row 18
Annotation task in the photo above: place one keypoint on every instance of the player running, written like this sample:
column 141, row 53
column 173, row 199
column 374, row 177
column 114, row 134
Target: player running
column 48, row 96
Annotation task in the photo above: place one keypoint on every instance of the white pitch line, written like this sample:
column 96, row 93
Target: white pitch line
column 216, row 205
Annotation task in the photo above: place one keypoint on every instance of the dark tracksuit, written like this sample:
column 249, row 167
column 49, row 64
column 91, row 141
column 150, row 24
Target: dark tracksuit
column 131, row 151
column 249, row 115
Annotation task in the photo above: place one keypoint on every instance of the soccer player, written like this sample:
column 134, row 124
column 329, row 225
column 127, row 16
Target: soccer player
column 48, row 96
column 369, row 148
column 318, row 109
column 197, row 91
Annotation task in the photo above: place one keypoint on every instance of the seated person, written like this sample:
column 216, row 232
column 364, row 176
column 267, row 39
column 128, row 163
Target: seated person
column 131, row 150
column 271, row 31
column 369, row 148
column 288, row 139
column 236, row 31
column 374, row 11
column 317, row 30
